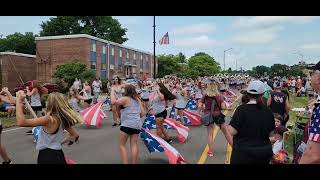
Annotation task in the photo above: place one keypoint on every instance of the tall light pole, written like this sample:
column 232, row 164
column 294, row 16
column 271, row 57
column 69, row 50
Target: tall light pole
column 224, row 58
column 154, row 47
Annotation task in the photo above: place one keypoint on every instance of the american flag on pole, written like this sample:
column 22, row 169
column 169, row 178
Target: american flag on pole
column 93, row 115
column 164, row 39
column 156, row 144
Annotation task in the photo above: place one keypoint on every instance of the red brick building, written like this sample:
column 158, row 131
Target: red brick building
column 15, row 68
column 105, row 57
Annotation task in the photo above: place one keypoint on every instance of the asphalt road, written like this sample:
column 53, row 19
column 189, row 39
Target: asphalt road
column 100, row 146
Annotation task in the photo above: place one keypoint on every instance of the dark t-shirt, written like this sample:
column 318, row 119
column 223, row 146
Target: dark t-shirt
column 253, row 125
column 208, row 103
column 278, row 103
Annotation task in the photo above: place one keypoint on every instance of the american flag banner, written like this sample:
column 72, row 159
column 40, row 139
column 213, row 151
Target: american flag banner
column 93, row 115
column 314, row 126
column 194, row 118
column 191, row 105
column 150, row 123
column 186, row 120
column 164, row 39
column 182, row 131
column 107, row 101
column 156, row 144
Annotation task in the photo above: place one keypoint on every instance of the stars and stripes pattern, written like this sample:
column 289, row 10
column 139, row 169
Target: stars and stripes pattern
column 194, row 118
column 156, row 144
column 164, row 39
column 35, row 133
column 182, row 131
column 191, row 105
column 189, row 118
column 314, row 126
column 93, row 115
column 150, row 123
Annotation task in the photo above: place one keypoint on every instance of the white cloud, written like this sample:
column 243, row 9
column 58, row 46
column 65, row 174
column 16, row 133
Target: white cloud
column 200, row 41
column 259, row 36
column 267, row 21
column 195, row 28
column 311, row 46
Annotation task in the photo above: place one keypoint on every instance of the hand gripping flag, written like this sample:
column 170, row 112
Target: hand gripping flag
column 191, row 105
column 93, row 115
column 156, row 144
column 182, row 131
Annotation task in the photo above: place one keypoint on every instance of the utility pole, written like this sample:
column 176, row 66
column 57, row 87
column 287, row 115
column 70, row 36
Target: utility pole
column 154, row 47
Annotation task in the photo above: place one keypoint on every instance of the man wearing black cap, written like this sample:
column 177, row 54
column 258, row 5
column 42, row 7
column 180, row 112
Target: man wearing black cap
column 278, row 102
column 311, row 153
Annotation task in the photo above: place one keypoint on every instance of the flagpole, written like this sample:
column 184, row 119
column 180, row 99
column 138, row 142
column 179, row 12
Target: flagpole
column 154, row 47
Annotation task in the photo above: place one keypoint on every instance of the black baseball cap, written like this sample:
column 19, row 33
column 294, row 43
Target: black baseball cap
column 315, row 67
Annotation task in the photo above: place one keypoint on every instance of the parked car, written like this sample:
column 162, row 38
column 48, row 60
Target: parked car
column 51, row 87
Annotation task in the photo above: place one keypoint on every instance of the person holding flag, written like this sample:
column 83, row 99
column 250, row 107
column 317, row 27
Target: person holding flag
column 59, row 117
column 132, row 111
column 158, row 108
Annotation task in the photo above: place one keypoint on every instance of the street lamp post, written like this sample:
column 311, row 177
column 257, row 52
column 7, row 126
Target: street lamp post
column 154, row 47
column 300, row 54
column 224, row 58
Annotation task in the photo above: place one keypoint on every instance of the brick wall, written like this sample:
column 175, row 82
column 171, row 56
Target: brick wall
column 24, row 67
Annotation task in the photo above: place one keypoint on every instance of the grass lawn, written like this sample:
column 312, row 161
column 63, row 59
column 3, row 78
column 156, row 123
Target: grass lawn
column 295, row 102
column 9, row 122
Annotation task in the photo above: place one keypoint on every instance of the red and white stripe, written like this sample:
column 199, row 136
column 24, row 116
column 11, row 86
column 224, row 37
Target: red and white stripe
column 193, row 117
column 314, row 137
column 93, row 115
column 174, row 156
column 182, row 131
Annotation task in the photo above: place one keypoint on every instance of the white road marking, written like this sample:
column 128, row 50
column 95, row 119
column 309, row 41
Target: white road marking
column 13, row 129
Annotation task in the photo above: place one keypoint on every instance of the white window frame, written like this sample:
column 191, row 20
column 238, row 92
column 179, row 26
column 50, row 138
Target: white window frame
column 112, row 66
column 95, row 65
column 105, row 65
column 127, row 54
column 104, row 49
column 134, row 55
column 134, row 70
column 112, row 51
column 120, row 53
column 94, row 46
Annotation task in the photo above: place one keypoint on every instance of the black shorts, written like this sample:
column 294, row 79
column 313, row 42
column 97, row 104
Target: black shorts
column 217, row 120
column 163, row 114
column 180, row 108
column 145, row 100
column 0, row 128
column 51, row 156
column 129, row 131
column 36, row 108
column 89, row 101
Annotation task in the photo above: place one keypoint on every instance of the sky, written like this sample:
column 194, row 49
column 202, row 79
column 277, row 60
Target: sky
column 255, row 40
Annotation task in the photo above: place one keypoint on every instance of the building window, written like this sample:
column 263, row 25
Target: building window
column 93, row 46
column 141, row 62
column 104, row 49
column 103, row 74
column 134, row 55
column 93, row 65
column 112, row 51
column 103, row 66
column 120, row 52
column 127, row 54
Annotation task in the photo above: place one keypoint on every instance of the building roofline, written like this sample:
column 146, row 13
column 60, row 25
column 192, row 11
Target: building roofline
column 18, row 54
column 89, row 37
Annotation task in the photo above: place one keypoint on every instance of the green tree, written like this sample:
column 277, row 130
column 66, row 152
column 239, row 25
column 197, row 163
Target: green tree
column 20, row 43
column 168, row 64
column 202, row 64
column 261, row 70
column 279, row 70
column 104, row 27
column 69, row 71
column 182, row 58
column 296, row 71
